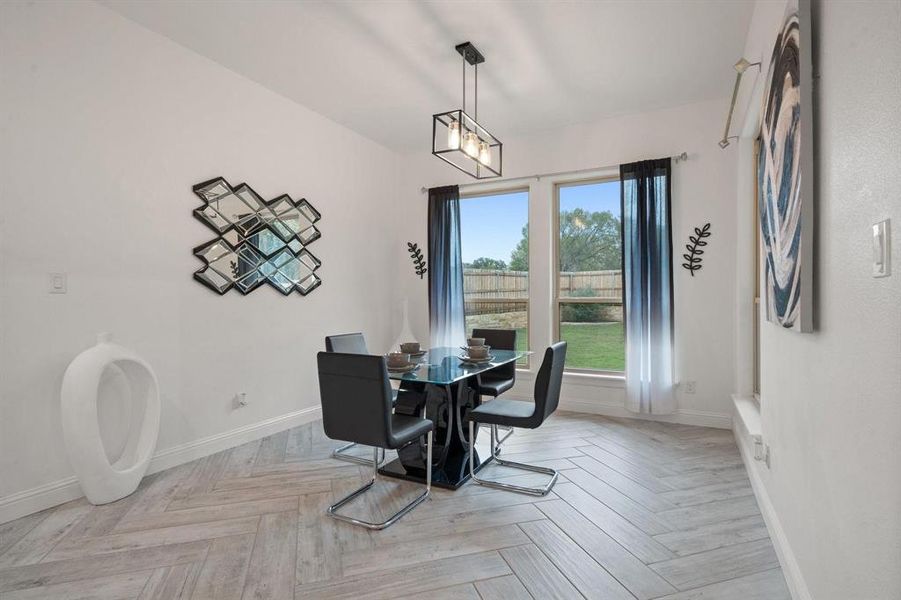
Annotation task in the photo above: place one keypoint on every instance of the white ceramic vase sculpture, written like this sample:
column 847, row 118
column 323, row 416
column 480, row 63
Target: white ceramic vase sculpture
column 101, row 481
column 406, row 333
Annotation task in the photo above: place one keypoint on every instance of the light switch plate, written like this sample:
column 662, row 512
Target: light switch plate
column 58, row 283
column 882, row 249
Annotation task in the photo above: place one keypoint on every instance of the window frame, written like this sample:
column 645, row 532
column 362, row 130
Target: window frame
column 557, row 301
column 755, row 306
column 481, row 191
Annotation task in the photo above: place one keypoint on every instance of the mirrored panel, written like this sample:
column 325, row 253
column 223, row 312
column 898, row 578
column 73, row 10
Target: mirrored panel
column 258, row 242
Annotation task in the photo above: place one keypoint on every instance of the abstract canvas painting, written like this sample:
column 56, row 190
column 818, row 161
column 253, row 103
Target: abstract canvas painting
column 784, row 177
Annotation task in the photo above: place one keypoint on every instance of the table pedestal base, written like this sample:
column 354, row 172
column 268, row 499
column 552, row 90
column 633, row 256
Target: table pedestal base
column 447, row 406
column 453, row 474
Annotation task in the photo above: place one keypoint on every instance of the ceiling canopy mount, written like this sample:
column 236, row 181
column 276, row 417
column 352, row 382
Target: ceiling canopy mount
column 469, row 52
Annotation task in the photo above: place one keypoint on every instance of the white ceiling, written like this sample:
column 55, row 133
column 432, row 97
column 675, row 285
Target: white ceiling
column 382, row 68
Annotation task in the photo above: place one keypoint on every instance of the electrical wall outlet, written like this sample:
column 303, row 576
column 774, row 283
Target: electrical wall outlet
column 240, row 400
column 691, row 387
column 58, row 283
column 761, row 450
column 757, row 440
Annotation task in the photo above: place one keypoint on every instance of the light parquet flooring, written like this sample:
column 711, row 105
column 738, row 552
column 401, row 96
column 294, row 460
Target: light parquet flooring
column 642, row 510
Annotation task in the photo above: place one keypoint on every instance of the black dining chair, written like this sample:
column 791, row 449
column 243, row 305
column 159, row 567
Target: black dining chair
column 349, row 343
column 526, row 415
column 357, row 407
column 499, row 379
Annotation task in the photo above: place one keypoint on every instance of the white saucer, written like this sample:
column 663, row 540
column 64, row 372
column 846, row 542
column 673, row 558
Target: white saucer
column 475, row 361
column 406, row 369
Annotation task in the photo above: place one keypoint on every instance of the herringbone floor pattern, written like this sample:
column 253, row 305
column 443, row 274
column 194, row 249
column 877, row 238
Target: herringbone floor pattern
column 642, row 510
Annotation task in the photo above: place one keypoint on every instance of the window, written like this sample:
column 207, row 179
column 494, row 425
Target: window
column 589, row 294
column 494, row 235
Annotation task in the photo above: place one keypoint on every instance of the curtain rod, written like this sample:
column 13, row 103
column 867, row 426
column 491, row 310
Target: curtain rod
column 677, row 158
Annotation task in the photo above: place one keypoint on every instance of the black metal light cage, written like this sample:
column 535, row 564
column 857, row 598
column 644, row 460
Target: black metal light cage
column 456, row 157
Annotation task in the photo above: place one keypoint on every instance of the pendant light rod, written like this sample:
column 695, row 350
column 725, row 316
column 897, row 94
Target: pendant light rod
column 464, row 83
column 477, row 92
column 472, row 56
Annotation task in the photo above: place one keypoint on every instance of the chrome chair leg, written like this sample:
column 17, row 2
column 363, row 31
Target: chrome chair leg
column 339, row 454
column 332, row 510
column 509, row 431
column 542, row 491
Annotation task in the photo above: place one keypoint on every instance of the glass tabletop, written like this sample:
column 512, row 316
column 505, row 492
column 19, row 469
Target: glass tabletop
column 442, row 366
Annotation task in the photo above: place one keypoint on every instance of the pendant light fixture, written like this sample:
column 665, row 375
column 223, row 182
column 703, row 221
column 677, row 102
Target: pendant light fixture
column 459, row 139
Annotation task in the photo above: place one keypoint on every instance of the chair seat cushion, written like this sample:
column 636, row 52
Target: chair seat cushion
column 511, row 413
column 406, row 429
column 495, row 387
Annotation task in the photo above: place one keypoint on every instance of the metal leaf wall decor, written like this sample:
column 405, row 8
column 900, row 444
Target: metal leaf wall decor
column 257, row 242
column 695, row 249
column 419, row 263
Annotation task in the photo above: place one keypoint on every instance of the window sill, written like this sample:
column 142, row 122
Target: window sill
column 582, row 378
column 606, row 379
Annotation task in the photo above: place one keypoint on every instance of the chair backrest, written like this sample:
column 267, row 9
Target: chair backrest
column 502, row 339
column 348, row 343
column 356, row 398
column 548, row 381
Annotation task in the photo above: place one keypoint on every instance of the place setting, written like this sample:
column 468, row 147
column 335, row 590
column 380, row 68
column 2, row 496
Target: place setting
column 475, row 352
column 407, row 360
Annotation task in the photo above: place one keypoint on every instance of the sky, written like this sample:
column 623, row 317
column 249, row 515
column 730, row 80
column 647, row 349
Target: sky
column 492, row 225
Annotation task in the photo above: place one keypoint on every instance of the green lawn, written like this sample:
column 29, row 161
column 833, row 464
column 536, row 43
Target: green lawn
column 598, row 346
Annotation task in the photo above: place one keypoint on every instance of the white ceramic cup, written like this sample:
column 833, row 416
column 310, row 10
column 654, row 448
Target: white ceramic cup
column 409, row 347
column 478, row 351
column 398, row 359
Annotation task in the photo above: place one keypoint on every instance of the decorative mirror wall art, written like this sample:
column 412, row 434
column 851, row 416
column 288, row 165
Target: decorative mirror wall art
column 257, row 242
column 785, row 174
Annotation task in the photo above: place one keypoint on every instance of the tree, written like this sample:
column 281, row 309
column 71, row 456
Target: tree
column 589, row 241
column 488, row 263
column 519, row 259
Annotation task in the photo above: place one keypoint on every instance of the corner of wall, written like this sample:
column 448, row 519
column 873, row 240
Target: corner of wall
column 790, row 568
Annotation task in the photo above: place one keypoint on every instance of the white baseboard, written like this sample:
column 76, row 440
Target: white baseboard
column 603, row 395
column 57, row 492
column 790, row 569
column 183, row 453
column 683, row 416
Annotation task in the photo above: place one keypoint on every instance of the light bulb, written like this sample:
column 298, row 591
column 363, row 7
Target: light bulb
column 453, row 135
column 485, row 154
column 471, row 144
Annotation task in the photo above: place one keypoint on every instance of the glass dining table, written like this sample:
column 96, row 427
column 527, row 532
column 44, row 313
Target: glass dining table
column 448, row 389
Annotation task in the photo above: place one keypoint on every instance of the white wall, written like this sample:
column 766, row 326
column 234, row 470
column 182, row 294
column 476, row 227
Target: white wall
column 703, row 190
column 105, row 128
column 831, row 400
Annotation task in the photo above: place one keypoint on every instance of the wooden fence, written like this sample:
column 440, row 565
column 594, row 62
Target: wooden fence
column 491, row 291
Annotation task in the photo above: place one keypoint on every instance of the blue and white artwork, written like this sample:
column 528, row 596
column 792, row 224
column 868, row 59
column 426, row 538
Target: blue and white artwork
column 783, row 173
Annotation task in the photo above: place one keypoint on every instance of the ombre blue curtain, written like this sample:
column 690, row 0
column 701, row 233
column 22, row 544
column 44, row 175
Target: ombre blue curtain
column 648, row 285
column 447, row 324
